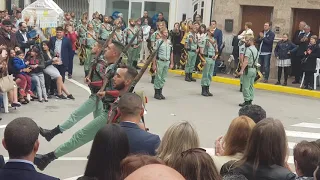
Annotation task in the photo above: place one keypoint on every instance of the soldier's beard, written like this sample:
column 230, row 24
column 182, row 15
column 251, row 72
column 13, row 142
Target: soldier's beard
column 120, row 87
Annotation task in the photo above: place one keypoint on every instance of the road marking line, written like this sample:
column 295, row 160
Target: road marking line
column 301, row 134
column 80, row 85
column 63, row 159
column 308, row 125
column 73, row 178
column 3, row 126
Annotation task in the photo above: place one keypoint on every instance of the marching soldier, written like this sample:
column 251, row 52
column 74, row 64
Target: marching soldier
column 161, row 62
column 249, row 70
column 154, row 37
column 191, row 45
column 105, row 29
column 82, row 31
column 90, row 41
column 133, row 50
column 119, row 35
column 140, row 39
column 209, row 48
column 96, row 23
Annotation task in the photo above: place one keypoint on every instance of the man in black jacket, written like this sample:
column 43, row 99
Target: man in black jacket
column 2, row 163
column 146, row 16
column 302, row 39
column 23, row 37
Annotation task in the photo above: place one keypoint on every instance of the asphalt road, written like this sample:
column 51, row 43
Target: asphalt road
column 211, row 116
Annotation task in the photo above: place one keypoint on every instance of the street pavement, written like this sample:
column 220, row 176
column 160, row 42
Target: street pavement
column 211, row 116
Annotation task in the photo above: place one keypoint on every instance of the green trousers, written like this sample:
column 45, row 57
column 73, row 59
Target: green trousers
column 89, row 106
column 132, row 55
column 138, row 52
column 207, row 72
column 83, row 136
column 161, row 74
column 191, row 62
column 247, row 84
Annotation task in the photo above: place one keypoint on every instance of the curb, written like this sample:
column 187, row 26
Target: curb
column 263, row 86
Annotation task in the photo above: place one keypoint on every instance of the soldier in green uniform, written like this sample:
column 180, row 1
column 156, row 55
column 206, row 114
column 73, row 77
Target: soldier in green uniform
column 140, row 36
column 105, row 29
column 209, row 49
column 249, row 70
column 88, row 106
column 133, row 50
column 82, row 31
column 89, row 42
column 161, row 62
column 242, row 48
column 86, row 134
column 96, row 23
column 191, row 46
column 119, row 35
column 154, row 37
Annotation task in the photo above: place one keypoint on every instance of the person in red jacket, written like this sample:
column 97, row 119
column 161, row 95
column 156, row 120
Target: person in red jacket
column 72, row 35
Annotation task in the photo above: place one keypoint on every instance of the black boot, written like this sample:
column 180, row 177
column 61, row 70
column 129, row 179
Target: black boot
column 204, row 91
column 161, row 95
column 152, row 79
column 157, row 94
column 135, row 64
column 191, row 78
column 240, row 88
column 50, row 134
column 245, row 103
column 208, row 92
column 187, row 77
column 42, row 161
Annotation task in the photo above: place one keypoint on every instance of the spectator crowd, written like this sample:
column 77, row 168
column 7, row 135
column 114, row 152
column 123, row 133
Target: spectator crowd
column 254, row 147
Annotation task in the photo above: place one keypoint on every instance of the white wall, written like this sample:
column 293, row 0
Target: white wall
column 97, row 5
column 2, row 5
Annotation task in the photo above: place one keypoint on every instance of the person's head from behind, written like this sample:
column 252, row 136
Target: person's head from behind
column 178, row 138
column 236, row 139
column 20, row 54
column 110, row 146
column 59, row 32
column 196, row 164
column 21, row 139
column 6, row 25
column 130, row 106
column 234, row 176
column 155, row 172
column 255, row 112
column 306, row 157
column 267, row 144
column 124, row 77
column 113, row 51
column 134, row 162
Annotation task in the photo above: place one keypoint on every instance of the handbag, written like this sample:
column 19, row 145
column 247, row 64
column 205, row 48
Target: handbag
column 6, row 83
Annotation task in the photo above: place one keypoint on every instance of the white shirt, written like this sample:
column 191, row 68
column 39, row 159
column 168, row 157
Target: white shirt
column 25, row 38
column 146, row 31
column 21, row 161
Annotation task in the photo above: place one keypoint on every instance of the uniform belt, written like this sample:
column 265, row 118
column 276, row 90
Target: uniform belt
column 162, row 59
column 191, row 50
column 102, row 39
column 132, row 45
column 208, row 56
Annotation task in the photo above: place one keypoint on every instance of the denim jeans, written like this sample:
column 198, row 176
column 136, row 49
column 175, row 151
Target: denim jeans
column 264, row 61
column 33, row 85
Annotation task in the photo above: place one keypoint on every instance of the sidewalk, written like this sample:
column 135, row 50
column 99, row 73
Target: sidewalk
column 229, row 79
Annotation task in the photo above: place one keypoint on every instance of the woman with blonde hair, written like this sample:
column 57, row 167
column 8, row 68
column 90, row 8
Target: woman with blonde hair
column 234, row 142
column 177, row 139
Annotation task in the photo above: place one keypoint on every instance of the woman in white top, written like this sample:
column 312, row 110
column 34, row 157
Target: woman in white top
column 247, row 30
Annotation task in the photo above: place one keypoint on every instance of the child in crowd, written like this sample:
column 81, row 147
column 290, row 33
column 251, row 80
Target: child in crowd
column 22, row 67
column 37, row 66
